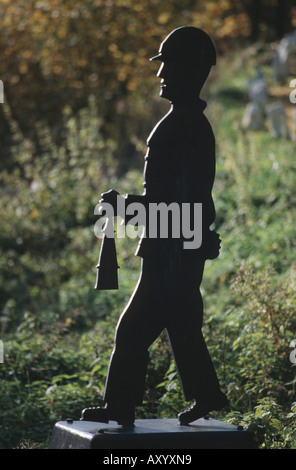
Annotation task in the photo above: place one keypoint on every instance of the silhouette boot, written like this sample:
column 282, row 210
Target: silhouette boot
column 125, row 415
column 201, row 409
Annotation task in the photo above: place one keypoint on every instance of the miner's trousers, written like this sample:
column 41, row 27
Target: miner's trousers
column 167, row 296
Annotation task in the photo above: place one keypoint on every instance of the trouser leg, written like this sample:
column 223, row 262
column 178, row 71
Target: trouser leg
column 163, row 299
column 197, row 374
column 139, row 326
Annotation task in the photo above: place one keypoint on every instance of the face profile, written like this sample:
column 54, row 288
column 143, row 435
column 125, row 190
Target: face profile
column 172, row 80
column 180, row 82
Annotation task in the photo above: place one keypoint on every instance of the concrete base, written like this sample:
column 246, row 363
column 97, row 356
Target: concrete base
column 150, row 434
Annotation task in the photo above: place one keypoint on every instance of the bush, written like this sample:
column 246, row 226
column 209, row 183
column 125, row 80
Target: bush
column 58, row 332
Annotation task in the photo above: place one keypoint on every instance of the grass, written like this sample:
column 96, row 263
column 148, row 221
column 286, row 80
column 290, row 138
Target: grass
column 58, row 332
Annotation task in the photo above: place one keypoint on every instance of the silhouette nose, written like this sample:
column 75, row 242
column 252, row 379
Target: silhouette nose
column 167, row 72
column 160, row 71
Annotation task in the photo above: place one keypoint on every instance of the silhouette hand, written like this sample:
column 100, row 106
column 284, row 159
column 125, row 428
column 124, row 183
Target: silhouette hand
column 213, row 245
column 110, row 197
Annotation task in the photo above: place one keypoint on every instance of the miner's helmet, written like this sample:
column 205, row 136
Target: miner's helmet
column 187, row 44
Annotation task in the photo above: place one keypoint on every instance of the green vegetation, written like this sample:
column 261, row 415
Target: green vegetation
column 58, row 331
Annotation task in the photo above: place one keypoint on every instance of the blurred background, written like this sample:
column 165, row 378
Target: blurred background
column 80, row 99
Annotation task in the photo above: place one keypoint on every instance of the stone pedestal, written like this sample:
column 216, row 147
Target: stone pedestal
column 150, row 434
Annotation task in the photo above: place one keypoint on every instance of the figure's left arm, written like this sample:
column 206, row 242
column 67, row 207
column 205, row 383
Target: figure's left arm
column 206, row 172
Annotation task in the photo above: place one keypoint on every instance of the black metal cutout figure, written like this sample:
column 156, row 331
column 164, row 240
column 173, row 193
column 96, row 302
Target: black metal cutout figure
column 179, row 168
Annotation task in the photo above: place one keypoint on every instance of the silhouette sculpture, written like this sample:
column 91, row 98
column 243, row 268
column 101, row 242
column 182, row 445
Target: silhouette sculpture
column 179, row 168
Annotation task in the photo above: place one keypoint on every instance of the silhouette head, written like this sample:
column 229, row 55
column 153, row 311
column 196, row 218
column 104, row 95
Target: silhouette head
column 187, row 55
column 187, row 44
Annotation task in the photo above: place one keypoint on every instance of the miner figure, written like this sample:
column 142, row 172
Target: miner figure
column 179, row 167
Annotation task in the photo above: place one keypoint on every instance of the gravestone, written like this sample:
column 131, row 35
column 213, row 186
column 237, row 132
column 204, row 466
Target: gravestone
column 277, row 120
column 179, row 174
column 257, row 90
column 253, row 117
column 281, row 58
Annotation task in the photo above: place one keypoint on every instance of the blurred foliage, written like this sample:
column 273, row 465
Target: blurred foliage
column 271, row 426
column 75, row 115
column 55, row 53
